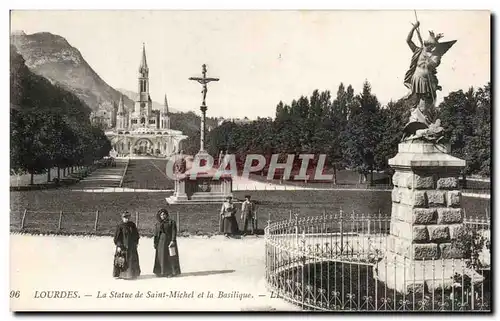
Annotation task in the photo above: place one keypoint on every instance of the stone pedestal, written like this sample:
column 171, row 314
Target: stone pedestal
column 203, row 189
column 199, row 187
column 179, row 192
column 426, row 216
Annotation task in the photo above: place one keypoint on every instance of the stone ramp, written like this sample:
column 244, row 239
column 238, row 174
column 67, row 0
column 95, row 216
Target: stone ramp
column 103, row 177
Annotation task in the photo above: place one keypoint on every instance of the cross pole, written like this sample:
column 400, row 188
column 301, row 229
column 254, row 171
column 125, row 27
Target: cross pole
column 203, row 81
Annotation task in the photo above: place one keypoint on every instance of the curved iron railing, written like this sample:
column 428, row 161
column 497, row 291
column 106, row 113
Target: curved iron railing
column 331, row 263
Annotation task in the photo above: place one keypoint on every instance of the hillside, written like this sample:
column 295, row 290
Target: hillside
column 49, row 125
column 52, row 57
column 31, row 91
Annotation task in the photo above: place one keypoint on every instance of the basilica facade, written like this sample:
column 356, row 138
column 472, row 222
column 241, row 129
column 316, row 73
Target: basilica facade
column 143, row 131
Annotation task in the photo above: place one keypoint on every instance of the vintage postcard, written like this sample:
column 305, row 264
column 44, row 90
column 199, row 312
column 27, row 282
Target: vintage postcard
column 250, row 161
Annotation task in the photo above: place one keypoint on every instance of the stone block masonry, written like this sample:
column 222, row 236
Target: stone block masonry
column 426, row 209
column 426, row 205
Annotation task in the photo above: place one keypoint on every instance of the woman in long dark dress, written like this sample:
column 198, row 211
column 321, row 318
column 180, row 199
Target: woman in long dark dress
column 165, row 243
column 229, row 225
column 126, row 240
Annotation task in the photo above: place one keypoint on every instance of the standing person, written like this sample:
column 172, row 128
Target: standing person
column 126, row 240
column 165, row 244
column 248, row 215
column 229, row 225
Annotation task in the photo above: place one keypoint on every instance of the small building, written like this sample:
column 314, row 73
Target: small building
column 238, row 121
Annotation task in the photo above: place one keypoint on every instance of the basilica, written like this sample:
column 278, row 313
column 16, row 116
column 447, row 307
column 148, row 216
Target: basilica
column 143, row 131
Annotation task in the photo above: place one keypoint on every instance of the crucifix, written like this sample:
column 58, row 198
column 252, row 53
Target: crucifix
column 203, row 81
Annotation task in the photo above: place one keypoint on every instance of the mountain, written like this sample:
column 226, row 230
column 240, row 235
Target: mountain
column 156, row 105
column 52, row 57
column 29, row 91
column 49, row 125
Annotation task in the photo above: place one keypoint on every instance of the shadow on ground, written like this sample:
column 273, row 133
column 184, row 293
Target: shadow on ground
column 197, row 273
column 204, row 273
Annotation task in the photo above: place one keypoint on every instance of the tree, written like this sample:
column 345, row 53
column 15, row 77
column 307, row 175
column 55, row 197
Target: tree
column 478, row 146
column 457, row 112
column 338, row 117
column 355, row 132
column 363, row 133
column 392, row 118
column 30, row 135
column 50, row 126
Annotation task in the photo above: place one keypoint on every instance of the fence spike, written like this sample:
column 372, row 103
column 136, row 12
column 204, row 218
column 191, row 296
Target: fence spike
column 96, row 220
column 23, row 220
column 60, row 220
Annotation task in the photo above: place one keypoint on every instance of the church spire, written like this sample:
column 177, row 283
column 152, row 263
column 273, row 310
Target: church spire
column 143, row 79
column 165, row 115
column 165, row 106
column 143, row 68
column 121, row 108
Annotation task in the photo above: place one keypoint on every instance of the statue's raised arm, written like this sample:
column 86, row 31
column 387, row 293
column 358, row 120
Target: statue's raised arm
column 409, row 39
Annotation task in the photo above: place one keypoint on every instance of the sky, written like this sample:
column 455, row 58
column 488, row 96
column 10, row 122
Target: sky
column 262, row 57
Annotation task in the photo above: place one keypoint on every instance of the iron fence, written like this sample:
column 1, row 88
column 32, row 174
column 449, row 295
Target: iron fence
column 81, row 222
column 335, row 263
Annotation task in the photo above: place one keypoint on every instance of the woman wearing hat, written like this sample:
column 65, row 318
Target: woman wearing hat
column 165, row 244
column 229, row 225
column 126, row 240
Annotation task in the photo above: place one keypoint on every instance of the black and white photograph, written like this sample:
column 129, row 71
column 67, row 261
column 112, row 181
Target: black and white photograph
column 250, row 160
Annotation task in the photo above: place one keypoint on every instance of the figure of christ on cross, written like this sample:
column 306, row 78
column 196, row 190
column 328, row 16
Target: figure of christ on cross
column 204, row 81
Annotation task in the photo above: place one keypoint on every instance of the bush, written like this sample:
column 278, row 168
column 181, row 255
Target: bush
column 471, row 242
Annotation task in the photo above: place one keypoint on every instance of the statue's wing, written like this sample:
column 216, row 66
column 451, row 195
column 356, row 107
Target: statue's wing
column 414, row 126
column 442, row 47
column 411, row 128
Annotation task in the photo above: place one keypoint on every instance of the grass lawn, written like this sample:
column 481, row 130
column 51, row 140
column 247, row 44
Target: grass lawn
column 79, row 208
